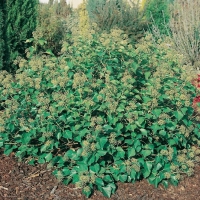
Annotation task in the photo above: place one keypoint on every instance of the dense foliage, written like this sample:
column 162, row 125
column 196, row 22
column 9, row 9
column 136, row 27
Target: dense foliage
column 19, row 21
column 103, row 112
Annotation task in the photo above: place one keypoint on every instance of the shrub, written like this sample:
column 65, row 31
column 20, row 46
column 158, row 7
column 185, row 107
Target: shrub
column 83, row 19
column 51, row 28
column 103, row 112
column 157, row 13
column 117, row 14
column 185, row 29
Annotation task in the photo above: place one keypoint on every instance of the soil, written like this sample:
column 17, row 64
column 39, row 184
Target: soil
column 20, row 181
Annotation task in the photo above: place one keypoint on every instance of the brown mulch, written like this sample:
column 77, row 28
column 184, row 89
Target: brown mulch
column 20, row 181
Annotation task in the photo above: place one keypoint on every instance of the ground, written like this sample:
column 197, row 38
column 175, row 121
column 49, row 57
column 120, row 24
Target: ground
column 20, row 181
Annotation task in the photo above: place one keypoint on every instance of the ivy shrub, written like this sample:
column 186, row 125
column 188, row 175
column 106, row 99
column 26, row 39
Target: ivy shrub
column 103, row 112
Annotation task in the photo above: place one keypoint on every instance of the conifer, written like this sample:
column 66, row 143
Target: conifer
column 20, row 22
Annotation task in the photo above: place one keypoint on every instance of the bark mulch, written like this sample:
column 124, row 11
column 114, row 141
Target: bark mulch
column 20, row 181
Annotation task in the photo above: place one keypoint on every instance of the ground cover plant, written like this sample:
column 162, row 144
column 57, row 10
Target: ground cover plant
column 103, row 112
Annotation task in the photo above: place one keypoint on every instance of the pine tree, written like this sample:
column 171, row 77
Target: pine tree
column 21, row 21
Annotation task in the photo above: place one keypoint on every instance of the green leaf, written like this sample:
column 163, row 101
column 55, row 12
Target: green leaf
column 146, row 99
column 103, row 141
column 11, row 127
column 99, row 182
column 48, row 157
column 171, row 126
column 184, row 110
column 155, row 127
column 120, row 152
column 174, row 180
column 66, row 171
column 41, row 160
column 178, row 114
column 108, row 178
column 147, row 75
column 95, row 168
column 135, row 67
column 67, row 134
column 42, row 42
column 91, row 159
column 59, row 135
column 107, row 191
column 26, row 137
column 107, row 127
column 131, row 152
column 71, row 154
column 133, row 174
column 49, row 52
column 119, row 126
column 163, row 133
column 144, row 132
column 1, row 144
column 165, row 183
column 147, row 168
column 158, row 166
column 146, row 153
column 99, row 154
column 172, row 142
column 16, row 97
column 123, row 178
column 157, row 112
column 43, row 148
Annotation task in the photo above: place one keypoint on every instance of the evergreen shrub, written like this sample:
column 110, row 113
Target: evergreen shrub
column 20, row 20
column 103, row 112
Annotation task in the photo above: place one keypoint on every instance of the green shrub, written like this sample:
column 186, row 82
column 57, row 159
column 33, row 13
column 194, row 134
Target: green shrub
column 103, row 112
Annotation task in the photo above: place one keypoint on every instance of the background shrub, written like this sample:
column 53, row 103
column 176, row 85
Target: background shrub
column 185, row 29
column 51, row 28
column 103, row 112
column 157, row 13
column 117, row 14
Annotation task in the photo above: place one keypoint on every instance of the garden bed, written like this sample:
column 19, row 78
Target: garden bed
column 22, row 181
